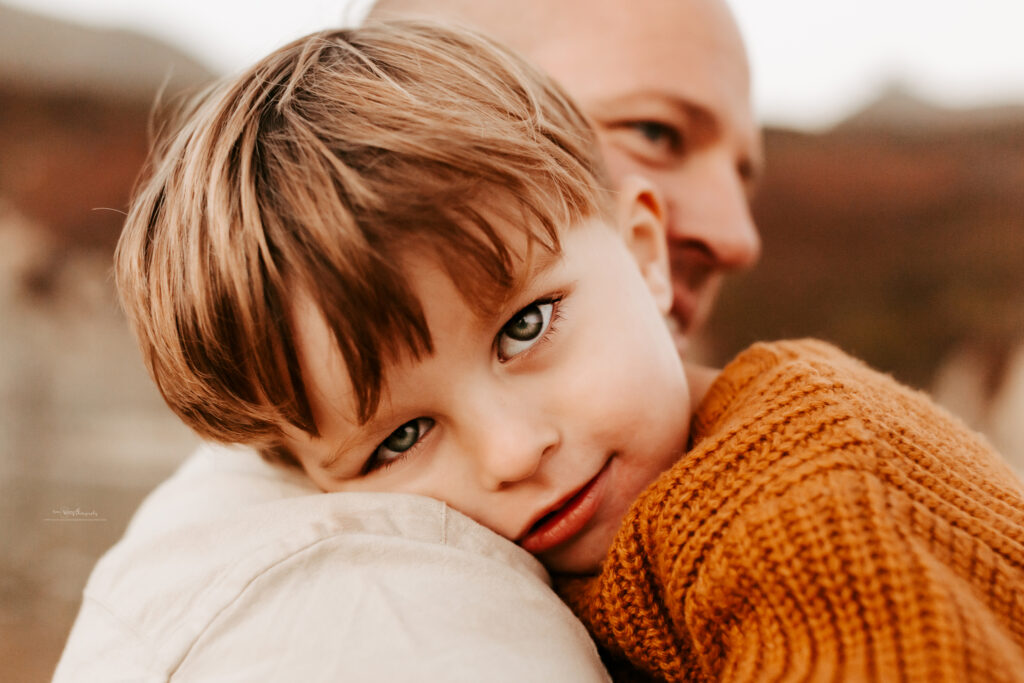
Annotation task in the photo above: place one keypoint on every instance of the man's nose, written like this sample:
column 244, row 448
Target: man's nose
column 714, row 217
column 509, row 439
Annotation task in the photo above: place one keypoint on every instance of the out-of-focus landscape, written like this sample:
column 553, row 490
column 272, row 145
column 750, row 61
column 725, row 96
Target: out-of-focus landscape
column 898, row 234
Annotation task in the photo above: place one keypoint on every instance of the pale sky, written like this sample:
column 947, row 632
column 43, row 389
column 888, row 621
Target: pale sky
column 815, row 61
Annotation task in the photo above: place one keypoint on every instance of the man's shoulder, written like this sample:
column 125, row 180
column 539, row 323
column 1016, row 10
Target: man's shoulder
column 215, row 481
column 312, row 585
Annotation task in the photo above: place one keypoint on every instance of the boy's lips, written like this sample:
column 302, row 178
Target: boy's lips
column 566, row 518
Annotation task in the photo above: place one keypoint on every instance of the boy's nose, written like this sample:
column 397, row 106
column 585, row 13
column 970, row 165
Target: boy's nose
column 510, row 444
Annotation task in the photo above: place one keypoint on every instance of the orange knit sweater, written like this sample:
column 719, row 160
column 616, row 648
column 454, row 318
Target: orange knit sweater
column 828, row 524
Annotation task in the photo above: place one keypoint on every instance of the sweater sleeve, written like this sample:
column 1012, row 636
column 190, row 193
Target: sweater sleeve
column 806, row 540
column 823, row 581
column 817, row 580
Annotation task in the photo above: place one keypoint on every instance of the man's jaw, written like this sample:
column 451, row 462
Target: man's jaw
column 678, row 326
column 691, row 307
column 695, row 280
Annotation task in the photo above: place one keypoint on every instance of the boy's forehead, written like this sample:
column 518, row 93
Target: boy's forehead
column 435, row 276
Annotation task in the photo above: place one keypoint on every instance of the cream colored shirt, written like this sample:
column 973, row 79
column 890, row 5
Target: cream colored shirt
column 236, row 570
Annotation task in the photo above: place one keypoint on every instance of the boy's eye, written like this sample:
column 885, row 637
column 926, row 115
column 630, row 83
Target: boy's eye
column 524, row 329
column 398, row 442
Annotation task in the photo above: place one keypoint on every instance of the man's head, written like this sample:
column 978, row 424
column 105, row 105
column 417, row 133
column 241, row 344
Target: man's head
column 390, row 253
column 666, row 84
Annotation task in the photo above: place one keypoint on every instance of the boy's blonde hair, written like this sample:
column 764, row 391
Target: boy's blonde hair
column 312, row 173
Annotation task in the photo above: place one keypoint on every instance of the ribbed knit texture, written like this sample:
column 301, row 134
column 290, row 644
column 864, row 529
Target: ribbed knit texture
column 828, row 524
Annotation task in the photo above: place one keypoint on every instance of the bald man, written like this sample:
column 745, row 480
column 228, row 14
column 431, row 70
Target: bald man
column 667, row 85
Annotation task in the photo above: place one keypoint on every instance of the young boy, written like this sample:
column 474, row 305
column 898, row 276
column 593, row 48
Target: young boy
column 390, row 257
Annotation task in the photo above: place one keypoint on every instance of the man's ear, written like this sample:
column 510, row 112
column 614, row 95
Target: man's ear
column 641, row 221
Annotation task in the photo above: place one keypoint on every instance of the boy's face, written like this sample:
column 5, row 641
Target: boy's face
column 543, row 420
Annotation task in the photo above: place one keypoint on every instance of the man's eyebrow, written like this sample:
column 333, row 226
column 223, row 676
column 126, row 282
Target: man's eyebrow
column 698, row 117
column 696, row 113
column 610, row 106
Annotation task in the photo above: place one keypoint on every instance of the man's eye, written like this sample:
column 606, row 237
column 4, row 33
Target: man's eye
column 664, row 138
column 399, row 442
column 525, row 329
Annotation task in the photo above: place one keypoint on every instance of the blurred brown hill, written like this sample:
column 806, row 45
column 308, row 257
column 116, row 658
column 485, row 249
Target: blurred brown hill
column 898, row 234
column 81, row 425
column 74, row 109
column 43, row 52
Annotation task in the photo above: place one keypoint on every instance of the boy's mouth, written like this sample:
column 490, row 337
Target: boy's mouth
column 567, row 517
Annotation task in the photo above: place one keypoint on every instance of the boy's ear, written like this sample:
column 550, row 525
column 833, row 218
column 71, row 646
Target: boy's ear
column 641, row 221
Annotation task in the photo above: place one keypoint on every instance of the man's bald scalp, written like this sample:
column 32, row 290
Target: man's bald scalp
column 513, row 23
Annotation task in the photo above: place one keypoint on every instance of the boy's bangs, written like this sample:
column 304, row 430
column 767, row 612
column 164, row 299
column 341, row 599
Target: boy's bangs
column 371, row 308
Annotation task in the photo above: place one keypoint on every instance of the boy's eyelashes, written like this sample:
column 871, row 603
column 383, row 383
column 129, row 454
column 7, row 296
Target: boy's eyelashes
column 398, row 444
column 529, row 326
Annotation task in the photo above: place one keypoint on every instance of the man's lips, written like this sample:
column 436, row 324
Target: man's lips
column 566, row 518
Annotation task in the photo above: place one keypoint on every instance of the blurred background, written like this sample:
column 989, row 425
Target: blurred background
column 892, row 214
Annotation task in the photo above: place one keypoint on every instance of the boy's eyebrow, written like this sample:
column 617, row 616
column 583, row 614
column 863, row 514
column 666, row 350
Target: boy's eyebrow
column 540, row 261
